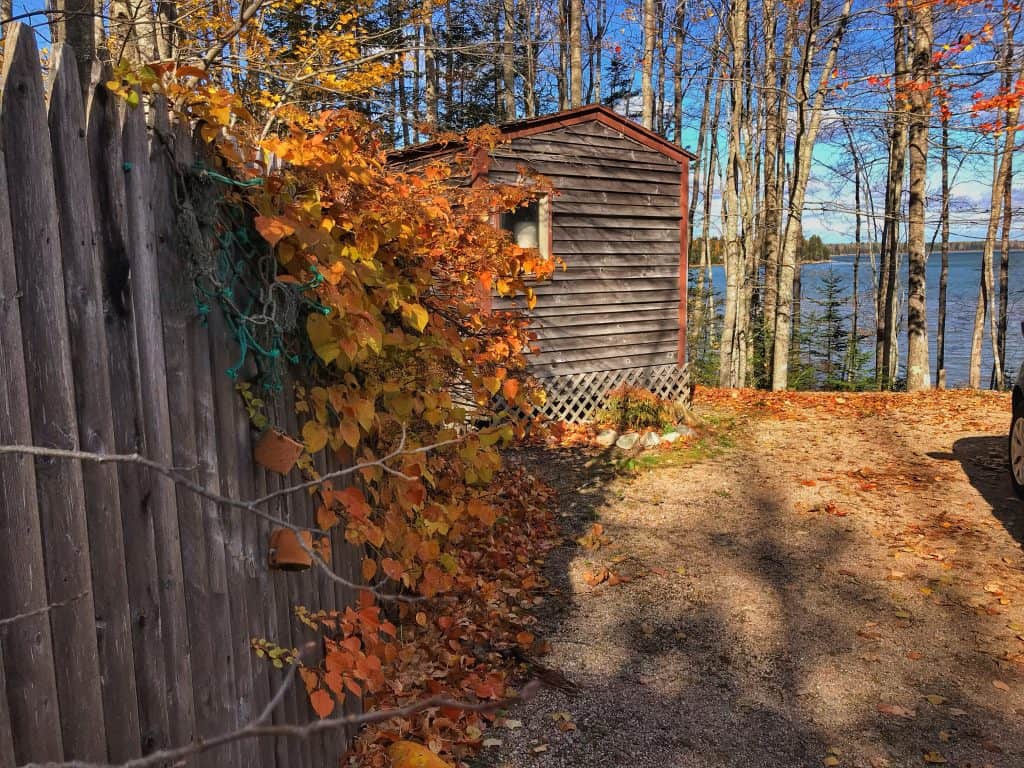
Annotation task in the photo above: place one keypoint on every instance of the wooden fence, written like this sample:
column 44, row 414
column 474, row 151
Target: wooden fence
column 126, row 602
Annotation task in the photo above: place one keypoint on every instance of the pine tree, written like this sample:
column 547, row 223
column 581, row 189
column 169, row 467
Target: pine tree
column 828, row 337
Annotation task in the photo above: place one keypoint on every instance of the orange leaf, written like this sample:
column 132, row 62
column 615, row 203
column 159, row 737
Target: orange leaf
column 482, row 511
column 525, row 639
column 392, row 568
column 369, row 569
column 323, row 703
column 325, row 517
column 349, row 433
column 273, row 228
column 354, row 502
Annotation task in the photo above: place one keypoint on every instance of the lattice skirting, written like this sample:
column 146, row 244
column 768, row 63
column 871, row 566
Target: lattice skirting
column 578, row 397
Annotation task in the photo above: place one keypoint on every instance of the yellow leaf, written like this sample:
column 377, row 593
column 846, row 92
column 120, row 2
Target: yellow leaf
column 415, row 316
column 321, row 336
column 409, row 754
column 364, row 414
column 831, row 760
column 492, row 383
column 314, row 434
column 933, row 758
column 935, row 699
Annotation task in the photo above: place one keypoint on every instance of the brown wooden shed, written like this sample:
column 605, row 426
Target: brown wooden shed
column 617, row 314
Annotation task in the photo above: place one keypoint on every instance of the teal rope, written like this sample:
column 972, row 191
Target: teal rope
column 202, row 170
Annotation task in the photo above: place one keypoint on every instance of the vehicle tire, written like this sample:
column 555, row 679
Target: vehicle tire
column 1016, row 448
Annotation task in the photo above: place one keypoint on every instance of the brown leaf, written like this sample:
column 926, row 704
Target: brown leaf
column 898, row 711
column 933, row 758
column 1000, row 685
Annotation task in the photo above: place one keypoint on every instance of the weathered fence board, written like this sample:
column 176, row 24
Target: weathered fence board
column 157, row 425
column 127, row 602
column 27, row 645
column 59, row 485
column 103, row 132
column 176, row 308
column 84, row 294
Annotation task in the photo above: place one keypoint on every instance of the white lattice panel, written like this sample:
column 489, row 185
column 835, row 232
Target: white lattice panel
column 578, row 397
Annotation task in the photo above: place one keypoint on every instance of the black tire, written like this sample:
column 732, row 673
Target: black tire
column 1016, row 448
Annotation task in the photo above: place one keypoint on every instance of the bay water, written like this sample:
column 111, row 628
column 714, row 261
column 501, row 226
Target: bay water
column 961, row 301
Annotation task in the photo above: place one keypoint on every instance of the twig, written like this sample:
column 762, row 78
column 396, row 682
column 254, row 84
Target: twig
column 259, row 727
column 253, row 505
column 45, row 609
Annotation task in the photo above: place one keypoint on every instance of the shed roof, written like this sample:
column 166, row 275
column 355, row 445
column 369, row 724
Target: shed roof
column 534, row 125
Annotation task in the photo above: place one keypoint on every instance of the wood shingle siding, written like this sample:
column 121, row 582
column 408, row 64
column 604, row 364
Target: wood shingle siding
column 617, row 221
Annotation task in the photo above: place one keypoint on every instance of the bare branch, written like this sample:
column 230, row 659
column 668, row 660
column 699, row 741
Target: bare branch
column 259, row 727
column 254, row 506
column 38, row 611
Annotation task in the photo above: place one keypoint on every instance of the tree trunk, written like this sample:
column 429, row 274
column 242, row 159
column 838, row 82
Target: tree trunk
column 647, row 69
column 731, row 348
column 886, row 355
column 597, row 48
column 999, row 369
column 660, row 54
column 576, row 52
column 508, row 64
column 530, row 68
column 430, row 65
column 999, row 353
column 1001, row 185
column 808, row 117
column 562, row 74
column 852, row 365
column 73, row 22
column 771, row 205
column 678, row 40
column 918, row 357
column 940, row 330
column 133, row 24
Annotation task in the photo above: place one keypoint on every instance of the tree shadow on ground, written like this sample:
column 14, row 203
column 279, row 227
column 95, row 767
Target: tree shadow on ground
column 796, row 655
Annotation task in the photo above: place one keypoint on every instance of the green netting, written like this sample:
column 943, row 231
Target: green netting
column 232, row 267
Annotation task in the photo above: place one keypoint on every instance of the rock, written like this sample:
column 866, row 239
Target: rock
column 606, row 438
column 627, row 441
column 650, row 440
column 685, row 431
column 670, row 437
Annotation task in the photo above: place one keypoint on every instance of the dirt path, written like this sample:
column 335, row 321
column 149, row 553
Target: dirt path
column 842, row 584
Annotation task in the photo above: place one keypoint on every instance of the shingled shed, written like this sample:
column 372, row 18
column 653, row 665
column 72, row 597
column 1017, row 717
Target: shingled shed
column 617, row 217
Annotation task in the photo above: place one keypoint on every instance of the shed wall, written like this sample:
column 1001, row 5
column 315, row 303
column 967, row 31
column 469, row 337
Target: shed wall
column 616, row 224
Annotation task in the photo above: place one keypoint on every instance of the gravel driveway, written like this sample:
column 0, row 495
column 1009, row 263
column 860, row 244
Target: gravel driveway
column 823, row 581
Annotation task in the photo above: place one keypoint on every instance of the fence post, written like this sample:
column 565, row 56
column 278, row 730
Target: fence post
column 82, row 270
column 51, row 406
column 157, row 426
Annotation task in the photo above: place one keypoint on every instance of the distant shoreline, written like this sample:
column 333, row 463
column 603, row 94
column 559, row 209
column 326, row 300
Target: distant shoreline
column 850, row 249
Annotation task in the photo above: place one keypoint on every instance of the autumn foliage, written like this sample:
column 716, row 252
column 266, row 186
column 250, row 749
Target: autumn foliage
column 401, row 354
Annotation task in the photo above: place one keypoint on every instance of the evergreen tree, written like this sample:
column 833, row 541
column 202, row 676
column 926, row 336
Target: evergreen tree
column 621, row 90
column 828, row 337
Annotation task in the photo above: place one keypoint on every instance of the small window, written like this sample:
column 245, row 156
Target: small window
column 530, row 225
